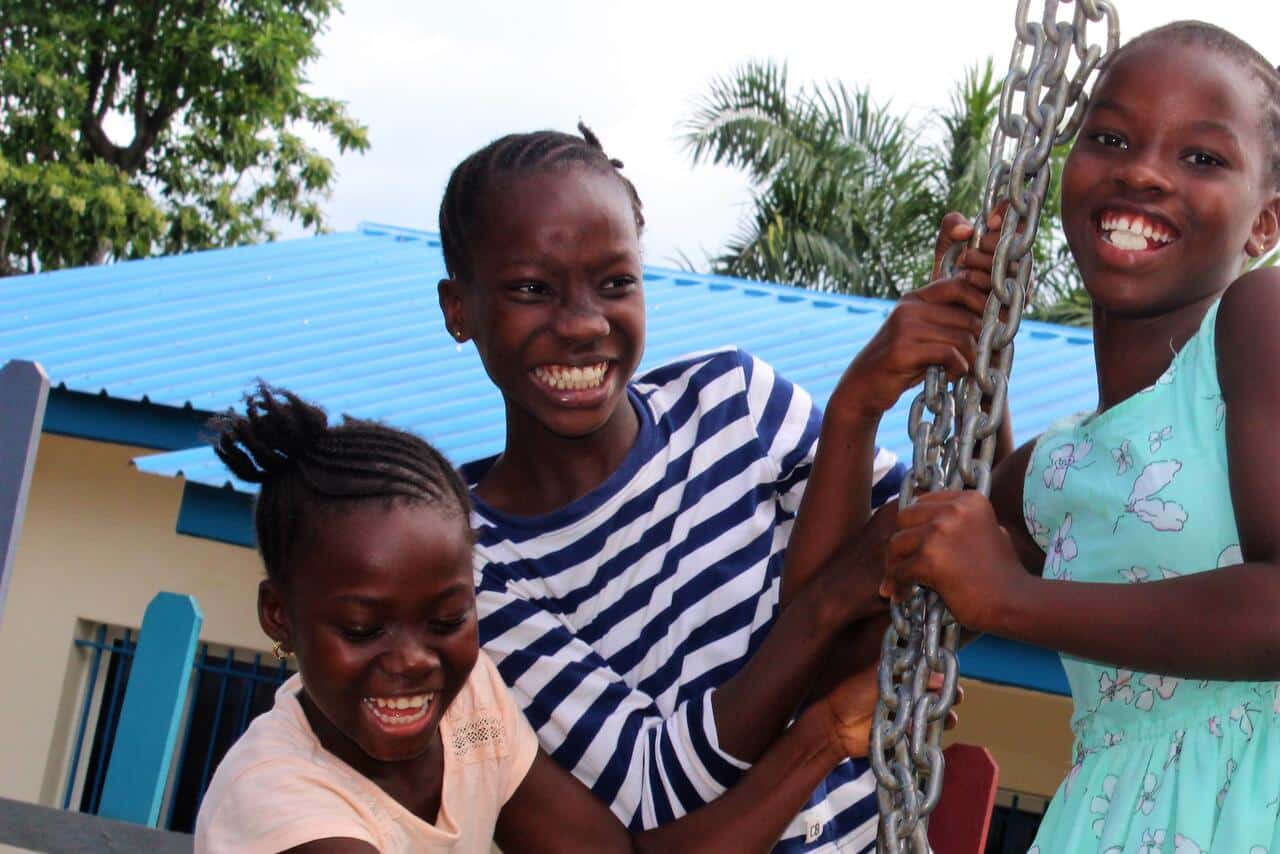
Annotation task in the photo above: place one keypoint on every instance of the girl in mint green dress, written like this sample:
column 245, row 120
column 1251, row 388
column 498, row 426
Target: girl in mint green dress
column 1151, row 526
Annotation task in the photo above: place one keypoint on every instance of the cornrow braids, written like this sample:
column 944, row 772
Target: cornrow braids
column 306, row 467
column 509, row 156
column 1236, row 48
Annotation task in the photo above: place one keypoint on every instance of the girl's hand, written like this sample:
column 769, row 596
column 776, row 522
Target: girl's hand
column 951, row 542
column 934, row 325
column 851, row 707
column 975, row 263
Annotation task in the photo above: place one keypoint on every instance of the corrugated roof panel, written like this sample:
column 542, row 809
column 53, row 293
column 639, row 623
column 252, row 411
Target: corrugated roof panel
column 352, row 320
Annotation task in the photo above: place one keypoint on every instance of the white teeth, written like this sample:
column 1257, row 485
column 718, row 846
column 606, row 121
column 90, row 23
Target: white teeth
column 572, row 378
column 1132, row 233
column 414, row 702
column 1127, row 240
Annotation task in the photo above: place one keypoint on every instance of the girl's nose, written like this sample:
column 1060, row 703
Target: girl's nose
column 1141, row 174
column 409, row 656
column 580, row 319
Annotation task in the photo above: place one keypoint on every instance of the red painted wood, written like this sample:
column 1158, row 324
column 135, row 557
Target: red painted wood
column 960, row 821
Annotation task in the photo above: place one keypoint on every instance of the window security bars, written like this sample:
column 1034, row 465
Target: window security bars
column 230, row 688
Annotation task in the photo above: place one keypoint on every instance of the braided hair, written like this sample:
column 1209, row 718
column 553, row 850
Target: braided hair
column 1235, row 48
column 306, row 467
column 516, row 154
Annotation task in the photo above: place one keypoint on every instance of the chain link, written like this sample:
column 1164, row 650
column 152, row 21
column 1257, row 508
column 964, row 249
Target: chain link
column 906, row 733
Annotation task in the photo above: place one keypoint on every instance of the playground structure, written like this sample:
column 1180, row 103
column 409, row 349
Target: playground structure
column 1036, row 113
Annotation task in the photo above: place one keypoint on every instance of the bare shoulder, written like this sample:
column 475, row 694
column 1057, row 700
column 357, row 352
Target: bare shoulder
column 1257, row 291
column 1245, row 333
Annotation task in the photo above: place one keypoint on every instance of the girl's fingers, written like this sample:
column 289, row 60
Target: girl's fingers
column 955, row 229
column 954, row 357
column 955, row 290
column 921, row 319
column 976, row 259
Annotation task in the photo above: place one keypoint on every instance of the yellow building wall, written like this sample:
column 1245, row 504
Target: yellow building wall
column 1027, row 732
column 97, row 544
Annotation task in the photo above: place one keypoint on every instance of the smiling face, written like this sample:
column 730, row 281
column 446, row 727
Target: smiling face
column 1168, row 189
column 554, row 299
column 380, row 610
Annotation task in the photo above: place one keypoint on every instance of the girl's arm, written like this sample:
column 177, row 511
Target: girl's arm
column 614, row 736
column 333, row 845
column 1006, row 497
column 551, row 811
column 935, row 325
column 1218, row 624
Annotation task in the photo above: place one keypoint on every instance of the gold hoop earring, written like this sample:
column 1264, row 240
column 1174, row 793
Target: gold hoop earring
column 278, row 650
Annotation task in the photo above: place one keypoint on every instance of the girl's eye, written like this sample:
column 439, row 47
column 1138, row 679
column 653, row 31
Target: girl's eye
column 530, row 289
column 620, row 283
column 447, row 625
column 1203, row 158
column 360, row 633
column 1109, row 140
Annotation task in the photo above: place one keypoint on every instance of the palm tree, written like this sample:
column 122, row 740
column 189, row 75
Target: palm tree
column 839, row 184
column 847, row 196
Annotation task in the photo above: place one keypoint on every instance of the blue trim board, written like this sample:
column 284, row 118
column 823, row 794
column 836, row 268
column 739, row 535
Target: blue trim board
column 153, row 702
column 123, row 422
column 1021, row 665
column 217, row 513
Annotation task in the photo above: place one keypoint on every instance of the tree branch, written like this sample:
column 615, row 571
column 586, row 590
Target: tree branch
column 6, row 221
column 109, row 93
column 92, row 115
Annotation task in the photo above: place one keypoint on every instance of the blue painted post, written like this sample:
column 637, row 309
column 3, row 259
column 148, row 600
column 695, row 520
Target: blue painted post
column 153, row 704
column 24, row 388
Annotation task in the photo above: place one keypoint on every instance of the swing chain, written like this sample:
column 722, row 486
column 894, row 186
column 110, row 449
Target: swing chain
column 906, row 733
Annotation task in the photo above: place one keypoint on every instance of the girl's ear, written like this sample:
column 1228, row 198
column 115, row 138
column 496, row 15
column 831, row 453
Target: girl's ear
column 1266, row 230
column 451, row 304
column 272, row 614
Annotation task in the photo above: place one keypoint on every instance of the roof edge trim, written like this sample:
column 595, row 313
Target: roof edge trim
column 123, row 422
column 223, row 515
column 1019, row 665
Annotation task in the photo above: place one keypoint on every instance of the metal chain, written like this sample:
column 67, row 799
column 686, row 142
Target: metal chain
column 906, row 734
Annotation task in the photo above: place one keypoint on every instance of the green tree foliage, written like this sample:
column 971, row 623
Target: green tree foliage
column 131, row 128
column 846, row 195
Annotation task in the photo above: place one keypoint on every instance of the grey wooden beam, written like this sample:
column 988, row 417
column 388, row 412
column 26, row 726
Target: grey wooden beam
column 24, row 388
column 40, row 828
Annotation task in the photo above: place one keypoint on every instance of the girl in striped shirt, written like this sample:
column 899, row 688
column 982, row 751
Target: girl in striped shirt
column 631, row 553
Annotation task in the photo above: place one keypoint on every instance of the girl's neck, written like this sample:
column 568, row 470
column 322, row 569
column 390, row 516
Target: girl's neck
column 416, row 784
column 539, row 471
column 1132, row 352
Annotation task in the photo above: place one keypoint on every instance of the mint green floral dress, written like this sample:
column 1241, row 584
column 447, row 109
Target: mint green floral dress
column 1133, row 495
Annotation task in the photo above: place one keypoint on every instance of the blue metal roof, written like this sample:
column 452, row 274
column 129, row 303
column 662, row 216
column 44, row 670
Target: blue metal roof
column 351, row 320
column 138, row 352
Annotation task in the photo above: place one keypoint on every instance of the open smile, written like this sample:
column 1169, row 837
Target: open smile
column 400, row 716
column 1133, row 232
column 575, row 386
column 572, row 377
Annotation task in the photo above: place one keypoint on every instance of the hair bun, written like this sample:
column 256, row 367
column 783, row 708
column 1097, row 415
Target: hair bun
column 277, row 432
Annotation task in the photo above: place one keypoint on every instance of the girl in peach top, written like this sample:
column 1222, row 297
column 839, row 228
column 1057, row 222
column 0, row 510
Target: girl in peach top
column 397, row 734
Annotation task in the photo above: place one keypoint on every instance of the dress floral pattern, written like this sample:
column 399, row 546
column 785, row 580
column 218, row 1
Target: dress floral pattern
column 1135, row 495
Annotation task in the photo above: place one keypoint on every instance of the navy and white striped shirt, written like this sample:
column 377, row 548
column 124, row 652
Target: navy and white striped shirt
column 613, row 618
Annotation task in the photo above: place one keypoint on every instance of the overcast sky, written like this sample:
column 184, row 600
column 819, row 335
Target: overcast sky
column 434, row 81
